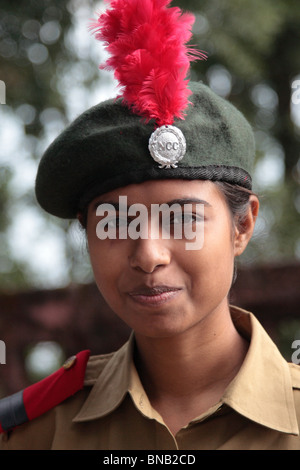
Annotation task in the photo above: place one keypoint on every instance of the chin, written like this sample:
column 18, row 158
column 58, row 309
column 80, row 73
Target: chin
column 161, row 329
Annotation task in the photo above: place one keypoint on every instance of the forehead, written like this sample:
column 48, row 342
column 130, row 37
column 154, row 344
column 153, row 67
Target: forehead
column 159, row 191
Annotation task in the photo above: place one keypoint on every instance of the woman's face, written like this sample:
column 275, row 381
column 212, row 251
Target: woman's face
column 155, row 284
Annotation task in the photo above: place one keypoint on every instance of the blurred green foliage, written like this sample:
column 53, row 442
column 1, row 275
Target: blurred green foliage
column 253, row 50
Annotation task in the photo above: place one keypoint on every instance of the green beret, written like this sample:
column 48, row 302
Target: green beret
column 107, row 147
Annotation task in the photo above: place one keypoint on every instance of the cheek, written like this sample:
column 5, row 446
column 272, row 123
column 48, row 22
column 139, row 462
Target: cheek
column 106, row 277
column 100, row 258
column 212, row 266
column 108, row 263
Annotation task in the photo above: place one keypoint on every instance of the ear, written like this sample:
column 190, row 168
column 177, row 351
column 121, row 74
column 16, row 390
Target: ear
column 244, row 230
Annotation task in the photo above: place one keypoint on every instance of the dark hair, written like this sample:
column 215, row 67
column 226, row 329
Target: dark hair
column 237, row 198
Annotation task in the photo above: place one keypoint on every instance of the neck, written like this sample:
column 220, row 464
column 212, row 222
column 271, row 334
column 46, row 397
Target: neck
column 202, row 360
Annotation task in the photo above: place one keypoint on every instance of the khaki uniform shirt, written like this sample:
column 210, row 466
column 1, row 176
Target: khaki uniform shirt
column 259, row 409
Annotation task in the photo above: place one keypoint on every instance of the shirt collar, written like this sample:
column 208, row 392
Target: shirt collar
column 110, row 388
column 261, row 391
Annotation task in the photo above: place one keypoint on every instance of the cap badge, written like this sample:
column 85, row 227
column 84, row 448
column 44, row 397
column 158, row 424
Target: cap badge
column 167, row 146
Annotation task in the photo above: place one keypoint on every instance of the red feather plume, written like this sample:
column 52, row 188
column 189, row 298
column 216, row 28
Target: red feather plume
column 148, row 53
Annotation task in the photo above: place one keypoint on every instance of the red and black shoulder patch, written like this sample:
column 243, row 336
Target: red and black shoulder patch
column 41, row 397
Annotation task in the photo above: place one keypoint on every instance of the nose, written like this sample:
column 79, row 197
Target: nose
column 149, row 254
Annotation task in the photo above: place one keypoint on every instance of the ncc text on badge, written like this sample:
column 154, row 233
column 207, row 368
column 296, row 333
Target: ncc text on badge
column 150, row 459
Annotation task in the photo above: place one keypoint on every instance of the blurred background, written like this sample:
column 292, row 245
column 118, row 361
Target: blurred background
column 49, row 306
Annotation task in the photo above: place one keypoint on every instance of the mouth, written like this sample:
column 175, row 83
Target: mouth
column 154, row 296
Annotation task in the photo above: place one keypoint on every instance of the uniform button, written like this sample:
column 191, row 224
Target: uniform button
column 69, row 362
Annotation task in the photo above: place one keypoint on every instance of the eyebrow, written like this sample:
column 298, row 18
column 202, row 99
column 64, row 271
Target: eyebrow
column 180, row 201
column 189, row 201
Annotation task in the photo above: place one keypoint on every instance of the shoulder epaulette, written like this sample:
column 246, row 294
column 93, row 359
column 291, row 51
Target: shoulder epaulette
column 44, row 395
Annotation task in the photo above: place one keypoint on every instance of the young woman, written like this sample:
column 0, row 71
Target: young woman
column 176, row 301
column 196, row 372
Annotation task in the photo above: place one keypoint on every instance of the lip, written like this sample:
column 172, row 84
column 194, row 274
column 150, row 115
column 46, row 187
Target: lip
column 154, row 296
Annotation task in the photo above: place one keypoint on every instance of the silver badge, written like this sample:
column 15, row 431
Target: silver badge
column 167, row 146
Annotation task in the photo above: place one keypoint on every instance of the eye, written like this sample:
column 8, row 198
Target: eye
column 185, row 218
column 112, row 223
column 116, row 222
